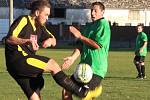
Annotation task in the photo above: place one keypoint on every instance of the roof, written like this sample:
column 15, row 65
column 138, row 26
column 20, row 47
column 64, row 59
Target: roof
column 17, row 3
column 128, row 4
column 122, row 4
column 125, row 4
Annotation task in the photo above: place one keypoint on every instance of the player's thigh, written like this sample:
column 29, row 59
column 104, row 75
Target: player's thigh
column 52, row 66
column 30, row 66
column 44, row 63
column 142, row 58
column 139, row 58
column 30, row 85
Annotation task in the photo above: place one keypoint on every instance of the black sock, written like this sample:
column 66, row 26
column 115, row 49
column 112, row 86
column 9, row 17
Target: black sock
column 143, row 70
column 64, row 81
column 138, row 67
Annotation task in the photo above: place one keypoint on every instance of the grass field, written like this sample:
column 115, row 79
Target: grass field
column 119, row 84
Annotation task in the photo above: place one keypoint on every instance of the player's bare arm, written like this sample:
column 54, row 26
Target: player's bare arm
column 68, row 61
column 144, row 45
column 78, row 35
column 17, row 41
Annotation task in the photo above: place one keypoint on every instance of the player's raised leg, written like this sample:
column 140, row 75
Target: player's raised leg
column 63, row 80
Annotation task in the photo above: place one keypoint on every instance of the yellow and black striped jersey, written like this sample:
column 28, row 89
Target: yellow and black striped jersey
column 23, row 27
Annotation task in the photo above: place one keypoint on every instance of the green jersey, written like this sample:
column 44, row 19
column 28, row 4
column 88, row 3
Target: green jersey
column 141, row 38
column 99, row 31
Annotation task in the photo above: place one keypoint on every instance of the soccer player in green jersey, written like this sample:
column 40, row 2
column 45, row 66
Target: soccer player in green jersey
column 95, row 39
column 22, row 62
column 140, row 52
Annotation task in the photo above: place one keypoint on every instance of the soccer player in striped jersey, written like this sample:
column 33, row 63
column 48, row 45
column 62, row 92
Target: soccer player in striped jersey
column 22, row 62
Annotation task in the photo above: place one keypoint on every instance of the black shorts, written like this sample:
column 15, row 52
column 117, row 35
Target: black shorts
column 139, row 58
column 29, row 85
column 95, row 82
column 27, row 71
column 29, row 66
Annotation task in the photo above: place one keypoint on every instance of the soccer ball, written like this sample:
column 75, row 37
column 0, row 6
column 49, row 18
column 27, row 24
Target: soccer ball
column 83, row 73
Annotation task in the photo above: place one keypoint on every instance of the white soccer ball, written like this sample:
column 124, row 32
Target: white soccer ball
column 83, row 73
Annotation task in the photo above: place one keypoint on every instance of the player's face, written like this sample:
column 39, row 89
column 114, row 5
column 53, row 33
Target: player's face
column 139, row 29
column 96, row 13
column 43, row 15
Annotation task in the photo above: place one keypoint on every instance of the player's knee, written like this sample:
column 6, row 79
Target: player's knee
column 136, row 62
column 53, row 62
column 142, row 63
column 34, row 97
column 52, row 66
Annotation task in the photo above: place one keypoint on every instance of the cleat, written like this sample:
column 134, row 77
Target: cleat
column 144, row 77
column 139, row 77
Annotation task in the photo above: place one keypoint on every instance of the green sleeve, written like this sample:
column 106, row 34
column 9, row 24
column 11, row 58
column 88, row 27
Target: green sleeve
column 144, row 37
column 102, row 34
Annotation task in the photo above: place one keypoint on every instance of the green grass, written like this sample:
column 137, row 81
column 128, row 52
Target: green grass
column 119, row 84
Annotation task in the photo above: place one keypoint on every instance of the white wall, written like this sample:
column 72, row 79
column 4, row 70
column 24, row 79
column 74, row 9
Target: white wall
column 122, row 16
column 147, row 19
column 118, row 16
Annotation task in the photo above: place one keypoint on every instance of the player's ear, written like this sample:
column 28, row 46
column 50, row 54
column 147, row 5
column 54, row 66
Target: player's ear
column 102, row 13
column 37, row 13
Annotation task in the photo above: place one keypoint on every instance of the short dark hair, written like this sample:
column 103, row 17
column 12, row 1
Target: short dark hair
column 102, row 7
column 39, row 5
column 140, row 25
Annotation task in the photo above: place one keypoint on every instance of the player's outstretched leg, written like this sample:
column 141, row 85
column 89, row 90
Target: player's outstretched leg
column 63, row 80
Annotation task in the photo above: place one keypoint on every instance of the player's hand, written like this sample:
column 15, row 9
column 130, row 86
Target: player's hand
column 68, row 61
column 141, row 50
column 33, row 40
column 75, row 32
column 49, row 42
column 46, row 43
column 34, row 45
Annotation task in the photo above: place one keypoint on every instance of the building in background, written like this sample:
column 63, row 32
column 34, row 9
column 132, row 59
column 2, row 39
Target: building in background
column 122, row 12
column 68, row 12
column 19, row 9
